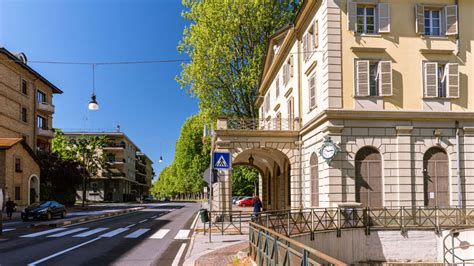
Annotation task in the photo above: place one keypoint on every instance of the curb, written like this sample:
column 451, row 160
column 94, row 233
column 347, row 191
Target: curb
column 85, row 219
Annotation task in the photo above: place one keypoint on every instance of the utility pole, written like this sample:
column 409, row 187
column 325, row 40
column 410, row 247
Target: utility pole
column 211, row 179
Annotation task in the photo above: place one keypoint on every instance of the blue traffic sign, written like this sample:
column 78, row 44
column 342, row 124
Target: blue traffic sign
column 221, row 160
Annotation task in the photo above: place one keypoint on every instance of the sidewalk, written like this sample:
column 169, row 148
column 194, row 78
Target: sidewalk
column 227, row 249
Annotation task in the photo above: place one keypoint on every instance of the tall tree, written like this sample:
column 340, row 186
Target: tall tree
column 86, row 150
column 226, row 42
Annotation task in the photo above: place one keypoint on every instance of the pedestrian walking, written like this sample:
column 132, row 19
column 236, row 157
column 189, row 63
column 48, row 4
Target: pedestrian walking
column 257, row 207
column 10, row 205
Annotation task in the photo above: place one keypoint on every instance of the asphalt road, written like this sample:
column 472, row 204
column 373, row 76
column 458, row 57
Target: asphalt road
column 156, row 235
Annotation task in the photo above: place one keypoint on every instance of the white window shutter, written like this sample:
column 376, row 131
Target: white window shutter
column 431, row 79
column 385, row 78
column 316, row 34
column 351, row 16
column 362, row 78
column 420, row 18
column 305, row 46
column 291, row 66
column 452, row 80
column 451, row 14
column 277, row 86
column 384, row 17
column 312, row 92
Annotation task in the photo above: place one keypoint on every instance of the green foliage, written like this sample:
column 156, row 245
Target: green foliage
column 86, row 150
column 227, row 42
column 244, row 180
column 191, row 159
column 59, row 178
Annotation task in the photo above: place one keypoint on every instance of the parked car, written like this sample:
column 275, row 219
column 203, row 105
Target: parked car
column 246, row 202
column 148, row 198
column 44, row 210
column 237, row 198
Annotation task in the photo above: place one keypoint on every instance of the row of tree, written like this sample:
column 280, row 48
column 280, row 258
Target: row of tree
column 227, row 44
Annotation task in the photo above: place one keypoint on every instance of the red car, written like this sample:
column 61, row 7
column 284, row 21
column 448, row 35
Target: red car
column 246, row 202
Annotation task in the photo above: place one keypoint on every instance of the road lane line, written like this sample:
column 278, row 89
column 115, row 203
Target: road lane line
column 137, row 233
column 44, row 232
column 115, row 232
column 91, row 232
column 160, row 234
column 8, row 229
column 130, row 225
column 195, row 221
column 62, row 252
column 178, row 255
column 182, row 234
column 69, row 232
column 142, row 221
column 153, row 217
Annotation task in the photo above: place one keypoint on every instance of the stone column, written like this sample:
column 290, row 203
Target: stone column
column 333, row 172
column 406, row 177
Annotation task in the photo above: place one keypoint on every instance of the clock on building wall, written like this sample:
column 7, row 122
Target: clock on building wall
column 329, row 150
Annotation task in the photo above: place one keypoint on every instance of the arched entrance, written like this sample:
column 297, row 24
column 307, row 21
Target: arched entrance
column 275, row 175
column 436, row 178
column 313, row 164
column 33, row 189
column 368, row 183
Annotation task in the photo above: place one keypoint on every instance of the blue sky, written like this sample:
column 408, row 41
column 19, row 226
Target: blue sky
column 144, row 99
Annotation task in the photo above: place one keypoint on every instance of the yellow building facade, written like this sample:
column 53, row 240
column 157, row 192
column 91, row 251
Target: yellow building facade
column 389, row 82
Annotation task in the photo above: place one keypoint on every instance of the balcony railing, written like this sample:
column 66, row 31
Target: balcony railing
column 116, row 160
column 279, row 124
column 45, row 132
column 115, row 145
column 46, row 107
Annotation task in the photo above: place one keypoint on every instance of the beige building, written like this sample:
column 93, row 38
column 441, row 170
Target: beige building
column 131, row 171
column 26, row 112
column 389, row 82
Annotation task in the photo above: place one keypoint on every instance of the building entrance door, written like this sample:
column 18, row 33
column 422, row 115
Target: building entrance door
column 436, row 178
column 368, row 183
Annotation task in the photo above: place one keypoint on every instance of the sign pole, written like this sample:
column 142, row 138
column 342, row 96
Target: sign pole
column 211, row 188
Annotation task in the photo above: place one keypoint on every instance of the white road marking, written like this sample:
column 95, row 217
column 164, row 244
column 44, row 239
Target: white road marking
column 130, row 226
column 142, row 221
column 8, row 229
column 137, row 233
column 160, row 234
column 195, row 221
column 182, row 234
column 153, row 217
column 91, row 232
column 178, row 255
column 114, row 232
column 44, row 232
column 62, row 252
column 70, row 232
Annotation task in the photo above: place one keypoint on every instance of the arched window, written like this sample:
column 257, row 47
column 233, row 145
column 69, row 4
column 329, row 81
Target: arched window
column 436, row 178
column 313, row 164
column 368, row 183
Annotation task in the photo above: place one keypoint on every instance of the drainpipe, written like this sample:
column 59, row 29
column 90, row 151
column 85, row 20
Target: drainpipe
column 300, row 120
column 458, row 164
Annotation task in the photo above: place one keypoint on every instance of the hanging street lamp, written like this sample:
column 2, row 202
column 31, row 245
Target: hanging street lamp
column 93, row 105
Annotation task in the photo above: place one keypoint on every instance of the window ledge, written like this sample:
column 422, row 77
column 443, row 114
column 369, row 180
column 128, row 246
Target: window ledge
column 434, row 37
column 367, row 49
column 370, row 97
column 438, row 98
column 373, row 35
column 436, row 51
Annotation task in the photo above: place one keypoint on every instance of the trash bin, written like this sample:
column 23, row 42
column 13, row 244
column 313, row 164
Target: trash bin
column 204, row 215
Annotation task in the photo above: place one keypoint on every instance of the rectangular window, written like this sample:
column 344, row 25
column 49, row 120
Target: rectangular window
column 373, row 79
column 18, row 168
column 366, row 19
column 291, row 113
column 312, row 92
column 17, row 193
column 41, row 97
column 277, row 86
column 441, row 80
column 24, row 87
column 24, row 115
column 433, row 22
column 42, row 122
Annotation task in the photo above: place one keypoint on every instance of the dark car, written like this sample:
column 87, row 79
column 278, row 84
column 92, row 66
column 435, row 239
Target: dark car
column 44, row 210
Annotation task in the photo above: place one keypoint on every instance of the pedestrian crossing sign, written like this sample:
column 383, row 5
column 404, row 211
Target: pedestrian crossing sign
column 221, row 160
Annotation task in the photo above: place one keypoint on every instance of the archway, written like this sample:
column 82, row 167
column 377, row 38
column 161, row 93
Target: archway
column 368, row 183
column 33, row 189
column 275, row 175
column 314, row 172
column 436, row 178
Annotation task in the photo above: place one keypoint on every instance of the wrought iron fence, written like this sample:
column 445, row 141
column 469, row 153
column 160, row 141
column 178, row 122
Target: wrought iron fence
column 267, row 247
column 229, row 221
column 262, row 124
column 310, row 220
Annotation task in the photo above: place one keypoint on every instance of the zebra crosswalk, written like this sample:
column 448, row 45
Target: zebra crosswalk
column 105, row 232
